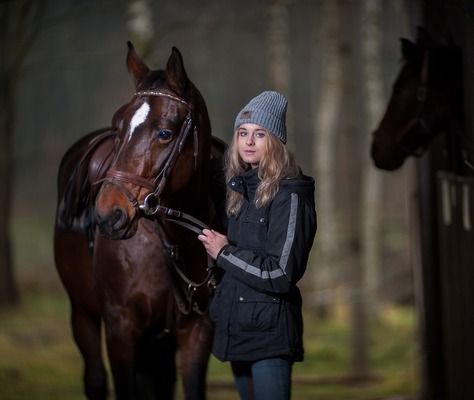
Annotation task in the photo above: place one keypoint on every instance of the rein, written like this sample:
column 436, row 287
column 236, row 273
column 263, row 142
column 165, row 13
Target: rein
column 421, row 93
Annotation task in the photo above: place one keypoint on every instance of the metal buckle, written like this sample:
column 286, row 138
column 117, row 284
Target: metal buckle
column 150, row 205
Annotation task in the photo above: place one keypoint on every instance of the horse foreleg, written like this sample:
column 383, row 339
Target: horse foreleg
column 156, row 368
column 121, row 351
column 86, row 331
column 195, row 346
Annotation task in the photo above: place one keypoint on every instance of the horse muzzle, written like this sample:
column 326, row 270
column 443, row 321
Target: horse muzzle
column 385, row 156
column 116, row 224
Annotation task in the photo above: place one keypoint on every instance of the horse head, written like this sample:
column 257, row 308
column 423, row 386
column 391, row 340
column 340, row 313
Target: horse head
column 161, row 150
column 426, row 98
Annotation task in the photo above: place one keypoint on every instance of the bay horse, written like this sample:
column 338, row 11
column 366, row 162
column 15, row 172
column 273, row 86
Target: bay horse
column 426, row 101
column 128, row 261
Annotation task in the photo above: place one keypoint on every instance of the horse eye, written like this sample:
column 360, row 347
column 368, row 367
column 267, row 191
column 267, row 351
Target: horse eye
column 164, row 136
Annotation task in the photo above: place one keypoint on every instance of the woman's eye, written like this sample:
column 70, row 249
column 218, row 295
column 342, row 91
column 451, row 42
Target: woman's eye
column 242, row 133
column 260, row 134
column 164, row 136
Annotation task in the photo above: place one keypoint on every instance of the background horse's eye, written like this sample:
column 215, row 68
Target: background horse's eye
column 164, row 136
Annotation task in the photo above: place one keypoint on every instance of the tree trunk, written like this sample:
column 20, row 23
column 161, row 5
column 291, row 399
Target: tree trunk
column 325, row 118
column 367, row 280
column 140, row 26
column 371, row 177
column 19, row 26
column 8, row 286
column 279, row 52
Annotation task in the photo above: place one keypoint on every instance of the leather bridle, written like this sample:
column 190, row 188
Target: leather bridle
column 418, row 119
column 157, row 186
column 151, row 204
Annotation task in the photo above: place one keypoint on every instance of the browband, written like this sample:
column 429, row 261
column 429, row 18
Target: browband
column 158, row 93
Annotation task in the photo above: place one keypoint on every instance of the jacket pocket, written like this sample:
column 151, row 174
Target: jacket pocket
column 253, row 230
column 257, row 313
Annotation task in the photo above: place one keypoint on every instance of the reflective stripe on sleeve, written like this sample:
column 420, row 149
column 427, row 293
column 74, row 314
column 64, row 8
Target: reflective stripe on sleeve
column 290, row 236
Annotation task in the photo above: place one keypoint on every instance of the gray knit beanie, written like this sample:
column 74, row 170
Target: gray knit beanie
column 268, row 110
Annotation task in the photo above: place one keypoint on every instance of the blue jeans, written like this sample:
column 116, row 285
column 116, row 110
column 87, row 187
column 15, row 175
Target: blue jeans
column 268, row 379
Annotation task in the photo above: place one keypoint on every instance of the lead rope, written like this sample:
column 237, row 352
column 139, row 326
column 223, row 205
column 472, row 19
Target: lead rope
column 191, row 286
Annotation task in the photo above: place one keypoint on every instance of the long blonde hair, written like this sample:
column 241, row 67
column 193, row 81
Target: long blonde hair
column 276, row 164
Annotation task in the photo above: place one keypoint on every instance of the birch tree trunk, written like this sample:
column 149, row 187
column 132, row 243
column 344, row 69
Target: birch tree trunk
column 371, row 177
column 366, row 280
column 326, row 100
column 140, row 26
column 279, row 53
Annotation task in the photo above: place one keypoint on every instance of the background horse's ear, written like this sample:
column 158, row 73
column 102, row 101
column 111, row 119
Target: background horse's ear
column 136, row 67
column 423, row 37
column 175, row 72
column 409, row 49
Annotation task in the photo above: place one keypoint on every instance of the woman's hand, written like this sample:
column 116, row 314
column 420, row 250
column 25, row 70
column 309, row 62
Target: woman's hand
column 213, row 242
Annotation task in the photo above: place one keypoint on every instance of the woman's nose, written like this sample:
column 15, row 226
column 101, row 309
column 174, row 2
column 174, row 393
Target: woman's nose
column 249, row 140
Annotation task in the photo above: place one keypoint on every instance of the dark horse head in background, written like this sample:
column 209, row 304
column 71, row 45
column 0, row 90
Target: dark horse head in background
column 146, row 278
column 427, row 100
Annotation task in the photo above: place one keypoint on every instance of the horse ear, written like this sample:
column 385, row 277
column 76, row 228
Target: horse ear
column 423, row 37
column 175, row 72
column 409, row 49
column 136, row 67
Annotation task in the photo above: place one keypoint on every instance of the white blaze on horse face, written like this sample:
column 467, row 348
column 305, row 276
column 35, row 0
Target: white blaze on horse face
column 138, row 118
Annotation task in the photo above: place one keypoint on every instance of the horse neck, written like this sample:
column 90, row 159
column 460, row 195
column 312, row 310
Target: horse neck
column 450, row 78
column 203, row 125
column 448, row 73
column 194, row 197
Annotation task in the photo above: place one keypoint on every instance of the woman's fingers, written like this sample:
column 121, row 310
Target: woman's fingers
column 212, row 241
column 218, row 234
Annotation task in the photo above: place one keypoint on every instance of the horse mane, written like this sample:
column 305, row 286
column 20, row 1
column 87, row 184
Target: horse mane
column 76, row 194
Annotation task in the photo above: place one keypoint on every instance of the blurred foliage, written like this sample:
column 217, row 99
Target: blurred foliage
column 39, row 360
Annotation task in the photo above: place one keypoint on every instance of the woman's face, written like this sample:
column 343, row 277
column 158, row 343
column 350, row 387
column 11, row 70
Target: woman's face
column 252, row 143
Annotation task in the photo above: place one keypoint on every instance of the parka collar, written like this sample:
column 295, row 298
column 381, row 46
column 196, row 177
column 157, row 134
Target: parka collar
column 246, row 182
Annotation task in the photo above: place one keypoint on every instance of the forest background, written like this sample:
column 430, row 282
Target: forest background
column 335, row 60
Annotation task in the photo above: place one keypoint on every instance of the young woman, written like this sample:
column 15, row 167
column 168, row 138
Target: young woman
column 272, row 223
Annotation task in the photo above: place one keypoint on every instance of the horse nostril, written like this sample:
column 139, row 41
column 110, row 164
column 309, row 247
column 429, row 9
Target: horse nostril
column 118, row 219
column 113, row 222
column 115, row 215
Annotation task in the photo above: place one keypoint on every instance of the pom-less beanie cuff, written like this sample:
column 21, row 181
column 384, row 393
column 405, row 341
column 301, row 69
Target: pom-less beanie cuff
column 268, row 110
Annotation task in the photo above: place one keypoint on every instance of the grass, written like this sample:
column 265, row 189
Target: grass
column 39, row 361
